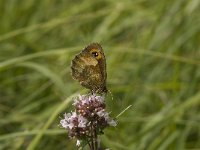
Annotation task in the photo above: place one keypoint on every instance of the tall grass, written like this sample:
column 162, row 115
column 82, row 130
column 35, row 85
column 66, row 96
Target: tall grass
column 152, row 50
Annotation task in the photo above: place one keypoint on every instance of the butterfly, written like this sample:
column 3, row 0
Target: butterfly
column 89, row 68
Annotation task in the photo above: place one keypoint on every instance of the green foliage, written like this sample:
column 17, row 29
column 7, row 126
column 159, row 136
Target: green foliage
column 152, row 50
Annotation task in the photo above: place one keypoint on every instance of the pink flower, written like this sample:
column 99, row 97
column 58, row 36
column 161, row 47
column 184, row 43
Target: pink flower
column 90, row 114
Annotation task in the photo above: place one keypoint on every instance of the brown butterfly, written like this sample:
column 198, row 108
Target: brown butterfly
column 89, row 68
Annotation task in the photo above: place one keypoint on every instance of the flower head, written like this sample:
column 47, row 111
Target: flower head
column 89, row 117
column 92, row 107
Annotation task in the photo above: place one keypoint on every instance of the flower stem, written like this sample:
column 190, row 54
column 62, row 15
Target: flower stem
column 89, row 144
column 95, row 139
column 92, row 137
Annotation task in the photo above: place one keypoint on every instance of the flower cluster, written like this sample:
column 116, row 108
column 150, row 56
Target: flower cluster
column 89, row 118
column 75, row 124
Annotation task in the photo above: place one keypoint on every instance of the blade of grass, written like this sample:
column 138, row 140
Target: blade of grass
column 33, row 144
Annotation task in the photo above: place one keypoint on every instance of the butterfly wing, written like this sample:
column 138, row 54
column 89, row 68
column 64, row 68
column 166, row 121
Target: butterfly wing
column 89, row 71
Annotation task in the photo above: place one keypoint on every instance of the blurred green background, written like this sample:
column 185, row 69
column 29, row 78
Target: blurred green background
column 153, row 63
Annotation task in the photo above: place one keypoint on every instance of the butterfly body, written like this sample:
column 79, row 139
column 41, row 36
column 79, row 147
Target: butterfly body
column 89, row 68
